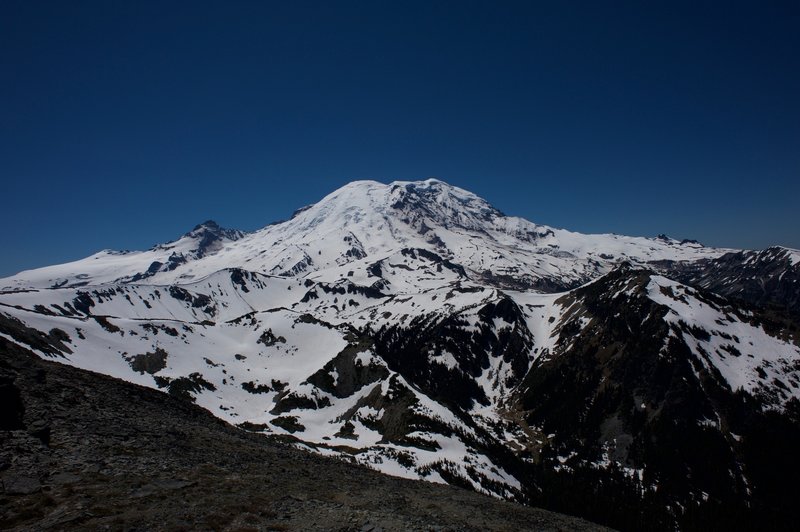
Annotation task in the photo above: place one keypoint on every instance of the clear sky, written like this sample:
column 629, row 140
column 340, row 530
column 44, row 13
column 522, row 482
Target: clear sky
column 124, row 124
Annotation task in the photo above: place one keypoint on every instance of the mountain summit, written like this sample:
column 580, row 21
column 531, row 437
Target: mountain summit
column 414, row 328
column 366, row 221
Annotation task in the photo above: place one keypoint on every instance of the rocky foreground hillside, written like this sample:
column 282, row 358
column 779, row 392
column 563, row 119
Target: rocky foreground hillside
column 84, row 451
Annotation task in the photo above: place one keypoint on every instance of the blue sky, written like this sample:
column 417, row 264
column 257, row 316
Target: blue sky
column 125, row 124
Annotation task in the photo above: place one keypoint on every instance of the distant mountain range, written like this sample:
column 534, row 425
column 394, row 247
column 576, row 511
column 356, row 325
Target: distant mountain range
column 637, row 382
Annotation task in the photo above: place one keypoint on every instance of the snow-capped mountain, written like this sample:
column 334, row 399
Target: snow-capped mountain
column 415, row 328
column 365, row 222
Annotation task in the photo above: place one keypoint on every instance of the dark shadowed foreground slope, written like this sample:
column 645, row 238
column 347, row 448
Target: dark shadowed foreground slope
column 82, row 450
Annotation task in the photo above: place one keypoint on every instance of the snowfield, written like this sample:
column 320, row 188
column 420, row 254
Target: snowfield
column 391, row 323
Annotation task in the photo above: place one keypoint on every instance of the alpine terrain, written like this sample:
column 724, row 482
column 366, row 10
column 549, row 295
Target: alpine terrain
column 414, row 328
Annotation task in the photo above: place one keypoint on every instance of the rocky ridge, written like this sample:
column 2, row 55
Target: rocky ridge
column 85, row 451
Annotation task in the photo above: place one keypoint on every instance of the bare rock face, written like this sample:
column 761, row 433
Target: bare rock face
column 120, row 456
column 766, row 278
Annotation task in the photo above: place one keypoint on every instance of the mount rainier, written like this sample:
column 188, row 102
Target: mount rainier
column 413, row 327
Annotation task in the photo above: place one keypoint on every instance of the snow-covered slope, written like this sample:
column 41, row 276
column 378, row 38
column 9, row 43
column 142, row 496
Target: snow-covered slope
column 415, row 328
column 276, row 355
column 366, row 221
column 108, row 266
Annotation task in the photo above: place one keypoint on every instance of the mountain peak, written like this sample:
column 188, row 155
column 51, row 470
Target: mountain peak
column 208, row 224
column 371, row 221
column 212, row 230
column 371, row 205
column 204, row 239
column 441, row 203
